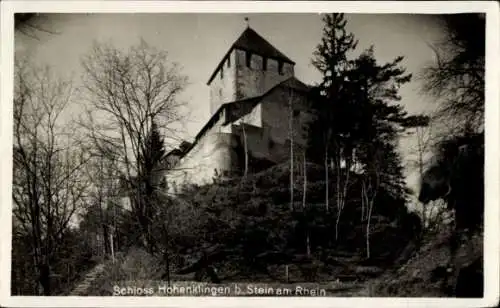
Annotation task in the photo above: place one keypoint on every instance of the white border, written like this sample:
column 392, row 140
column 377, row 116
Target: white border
column 491, row 240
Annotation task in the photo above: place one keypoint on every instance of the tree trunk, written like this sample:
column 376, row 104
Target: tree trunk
column 421, row 172
column 363, row 202
column 112, row 247
column 166, row 256
column 245, row 148
column 304, row 196
column 368, row 229
column 106, row 235
column 338, row 194
column 308, row 245
column 327, row 197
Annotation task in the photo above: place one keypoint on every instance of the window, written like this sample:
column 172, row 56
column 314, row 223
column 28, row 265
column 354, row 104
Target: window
column 280, row 68
column 264, row 64
column 221, row 72
column 229, row 61
column 248, row 58
column 296, row 113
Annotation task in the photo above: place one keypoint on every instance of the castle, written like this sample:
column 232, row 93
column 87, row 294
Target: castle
column 257, row 106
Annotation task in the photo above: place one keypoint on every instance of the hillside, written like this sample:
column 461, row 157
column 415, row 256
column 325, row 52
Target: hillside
column 430, row 273
column 243, row 230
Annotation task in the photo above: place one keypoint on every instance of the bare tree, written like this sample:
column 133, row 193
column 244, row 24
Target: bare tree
column 290, row 136
column 341, row 181
column 424, row 142
column 370, row 184
column 245, row 149
column 304, row 198
column 101, row 172
column 48, row 186
column 456, row 78
column 126, row 93
column 32, row 24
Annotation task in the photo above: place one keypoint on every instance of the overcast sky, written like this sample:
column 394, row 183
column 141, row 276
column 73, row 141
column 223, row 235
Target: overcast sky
column 198, row 42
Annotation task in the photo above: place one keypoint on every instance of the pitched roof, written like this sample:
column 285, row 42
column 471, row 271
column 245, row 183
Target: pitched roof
column 294, row 83
column 251, row 41
column 291, row 82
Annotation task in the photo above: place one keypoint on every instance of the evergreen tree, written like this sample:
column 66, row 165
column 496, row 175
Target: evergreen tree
column 330, row 58
column 330, row 107
column 358, row 123
column 149, row 181
column 378, row 120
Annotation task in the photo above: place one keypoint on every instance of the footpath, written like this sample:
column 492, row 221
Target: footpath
column 82, row 288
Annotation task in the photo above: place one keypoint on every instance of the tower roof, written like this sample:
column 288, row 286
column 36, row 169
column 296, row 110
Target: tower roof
column 251, row 41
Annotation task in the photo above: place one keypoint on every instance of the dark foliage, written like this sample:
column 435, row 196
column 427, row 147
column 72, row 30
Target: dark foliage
column 470, row 282
column 456, row 80
column 458, row 177
column 73, row 258
column 245, row 226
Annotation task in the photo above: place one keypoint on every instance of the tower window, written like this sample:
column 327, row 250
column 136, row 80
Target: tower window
column 280, row 68
column 248, row 58
column 264, row 64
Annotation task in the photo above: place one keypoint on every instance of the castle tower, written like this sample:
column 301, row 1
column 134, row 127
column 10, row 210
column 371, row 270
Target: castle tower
column 251, row 67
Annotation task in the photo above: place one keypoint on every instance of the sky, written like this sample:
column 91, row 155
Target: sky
column 198, row 42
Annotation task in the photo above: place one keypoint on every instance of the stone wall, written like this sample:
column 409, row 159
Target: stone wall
column 214, row 153
column 267, row 133
column 270, row 138
column 247, row 113
column 223, row 85
column 275, row 120
column 254, row 81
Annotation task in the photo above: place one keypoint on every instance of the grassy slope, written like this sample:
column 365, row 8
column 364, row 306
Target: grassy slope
column 415, row 277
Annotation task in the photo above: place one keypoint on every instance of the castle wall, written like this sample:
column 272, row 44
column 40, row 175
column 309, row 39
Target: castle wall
column 253, row 80
column 248, row 113
column 276, row 125
column 214, row 153
column 256, row 141
column 218, row 152
column 223, row 89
